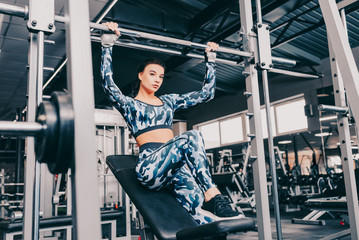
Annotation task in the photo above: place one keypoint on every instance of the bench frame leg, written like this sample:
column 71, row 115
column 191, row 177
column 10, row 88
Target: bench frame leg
column 146, row 233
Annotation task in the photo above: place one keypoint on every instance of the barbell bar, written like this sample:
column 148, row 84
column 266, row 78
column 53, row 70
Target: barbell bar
column 21, row 128
column 53, row 130
column 138, row 34
column 330, row 108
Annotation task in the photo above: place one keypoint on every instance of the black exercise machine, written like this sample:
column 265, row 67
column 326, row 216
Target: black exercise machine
column 166, row 218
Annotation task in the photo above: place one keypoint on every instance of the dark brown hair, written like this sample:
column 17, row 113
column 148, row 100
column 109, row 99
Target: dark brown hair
column 141, row 67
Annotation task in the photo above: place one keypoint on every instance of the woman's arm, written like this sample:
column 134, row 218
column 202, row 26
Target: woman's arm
column 112, row 91
column 183, row 101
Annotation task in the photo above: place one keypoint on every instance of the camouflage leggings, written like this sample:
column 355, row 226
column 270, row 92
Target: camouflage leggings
column 179, row 165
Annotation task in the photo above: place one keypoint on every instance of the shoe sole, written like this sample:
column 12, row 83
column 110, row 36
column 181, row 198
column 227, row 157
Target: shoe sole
column 216, row 218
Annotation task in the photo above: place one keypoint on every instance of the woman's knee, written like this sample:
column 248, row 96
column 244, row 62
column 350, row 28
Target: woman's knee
column 197, row 135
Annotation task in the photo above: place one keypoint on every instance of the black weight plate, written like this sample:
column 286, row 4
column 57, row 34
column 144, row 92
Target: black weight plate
column 65, row 146
column 46, row 145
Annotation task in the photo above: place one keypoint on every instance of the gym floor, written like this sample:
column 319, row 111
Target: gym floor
column 299, row 231
column 293, row 231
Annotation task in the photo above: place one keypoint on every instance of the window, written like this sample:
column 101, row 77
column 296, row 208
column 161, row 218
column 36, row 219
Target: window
column 291, row 116
column 231, row 130
column 210, row 134
column 287, row 116
column 264, row 122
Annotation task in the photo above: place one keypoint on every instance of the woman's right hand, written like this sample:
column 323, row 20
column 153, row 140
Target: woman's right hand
column 112, row 26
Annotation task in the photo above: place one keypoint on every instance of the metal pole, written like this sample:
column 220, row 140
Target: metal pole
column 296, row 158
column 37, row 184
column 115, row 140
column 345, row 140
column 2, row 174
column 85, row 200
column 283, row 61
column 21, row 128
column 286, row 157
column 336, row 109
column 293, row 73
column 103, row 166
column 19, row 155
column 30, row 141
column 257, row 147
column 14, row 10
column 68, row 201
column 324, row 157
column 272, row 160
column 259, row 11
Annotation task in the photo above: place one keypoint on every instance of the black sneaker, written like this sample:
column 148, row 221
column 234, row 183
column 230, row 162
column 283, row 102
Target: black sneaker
column 219, row 208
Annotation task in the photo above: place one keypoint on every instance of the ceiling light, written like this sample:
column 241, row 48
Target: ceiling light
column 284, row 142
column 323, row 134
column 322, row 95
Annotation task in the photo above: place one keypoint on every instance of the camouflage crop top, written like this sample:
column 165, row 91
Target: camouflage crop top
column 143, row 117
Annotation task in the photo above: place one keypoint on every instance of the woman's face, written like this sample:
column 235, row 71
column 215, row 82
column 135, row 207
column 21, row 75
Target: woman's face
column 152, row 77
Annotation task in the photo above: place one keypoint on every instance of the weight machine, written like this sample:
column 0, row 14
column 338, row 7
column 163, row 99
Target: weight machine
column 41, row 20
column 81, row 126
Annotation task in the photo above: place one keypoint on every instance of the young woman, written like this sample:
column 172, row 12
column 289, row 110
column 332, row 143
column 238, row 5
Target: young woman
column 179, row 163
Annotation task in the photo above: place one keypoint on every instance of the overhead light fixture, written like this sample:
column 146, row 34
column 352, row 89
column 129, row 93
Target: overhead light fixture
column 323, row 134
column 328, row 118
column 284, row 142
column 322, row 93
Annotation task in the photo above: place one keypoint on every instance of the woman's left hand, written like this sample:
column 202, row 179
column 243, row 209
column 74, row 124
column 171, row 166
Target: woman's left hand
column 211, row 47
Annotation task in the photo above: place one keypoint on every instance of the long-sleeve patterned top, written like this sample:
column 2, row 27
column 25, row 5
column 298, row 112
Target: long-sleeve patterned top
column 143, row 117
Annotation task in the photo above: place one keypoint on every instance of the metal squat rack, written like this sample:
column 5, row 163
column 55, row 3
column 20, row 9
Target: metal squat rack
column 41, row 18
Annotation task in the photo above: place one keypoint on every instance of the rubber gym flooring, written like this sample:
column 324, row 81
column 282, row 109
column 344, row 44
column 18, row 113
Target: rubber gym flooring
column 295, row 231
column 299, row 231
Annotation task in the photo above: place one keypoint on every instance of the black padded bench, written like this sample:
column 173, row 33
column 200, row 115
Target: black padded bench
column 163, row 214
column 321, row 206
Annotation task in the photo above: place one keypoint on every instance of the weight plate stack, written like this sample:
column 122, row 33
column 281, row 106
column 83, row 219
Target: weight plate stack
column 56, row 145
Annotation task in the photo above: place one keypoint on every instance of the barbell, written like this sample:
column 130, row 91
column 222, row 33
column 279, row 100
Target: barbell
column 53, row 130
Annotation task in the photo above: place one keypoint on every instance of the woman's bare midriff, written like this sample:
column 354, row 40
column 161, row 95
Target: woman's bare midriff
column 157, row 135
